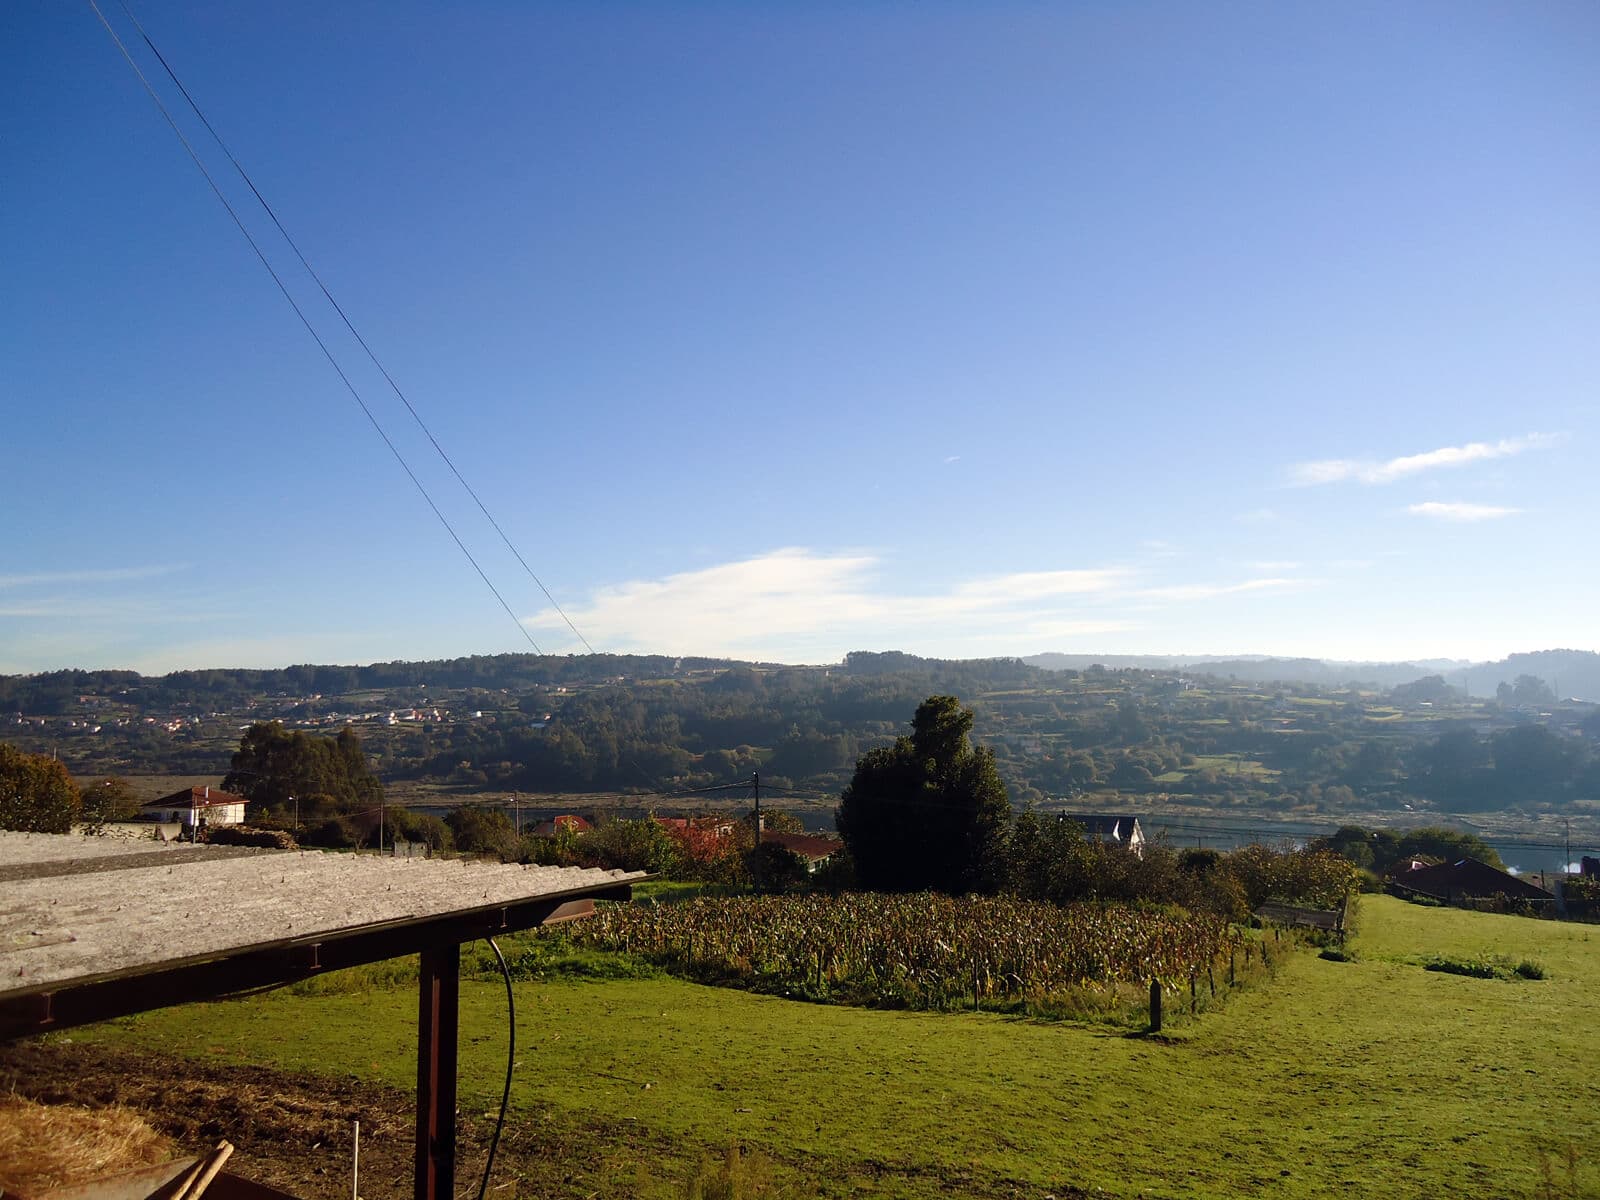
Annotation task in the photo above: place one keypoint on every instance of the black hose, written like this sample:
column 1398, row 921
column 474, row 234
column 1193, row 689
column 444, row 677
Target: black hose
column 511, row 1060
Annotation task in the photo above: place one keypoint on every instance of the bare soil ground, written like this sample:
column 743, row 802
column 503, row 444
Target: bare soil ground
column 295, row 1131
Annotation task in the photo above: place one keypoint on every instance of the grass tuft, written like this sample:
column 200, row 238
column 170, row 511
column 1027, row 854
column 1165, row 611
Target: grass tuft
column 733, row 1176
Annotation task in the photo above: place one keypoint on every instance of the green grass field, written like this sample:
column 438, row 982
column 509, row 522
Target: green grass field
column 1369, row 1078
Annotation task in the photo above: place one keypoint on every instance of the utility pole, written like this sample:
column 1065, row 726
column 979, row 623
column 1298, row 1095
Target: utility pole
column 755, row 784
column 1566, row 862
column 516, row 807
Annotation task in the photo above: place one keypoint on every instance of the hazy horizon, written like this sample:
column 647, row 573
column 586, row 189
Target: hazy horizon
column 1186, row 656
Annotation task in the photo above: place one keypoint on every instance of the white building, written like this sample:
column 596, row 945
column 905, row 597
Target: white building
column 197, row 806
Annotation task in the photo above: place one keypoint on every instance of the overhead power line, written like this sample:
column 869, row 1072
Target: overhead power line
column 304, row 320
column 354, row 332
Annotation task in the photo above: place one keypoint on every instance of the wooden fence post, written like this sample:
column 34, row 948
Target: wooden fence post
column 1155, row 1006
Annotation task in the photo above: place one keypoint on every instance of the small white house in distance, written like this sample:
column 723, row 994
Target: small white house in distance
column 197, row 806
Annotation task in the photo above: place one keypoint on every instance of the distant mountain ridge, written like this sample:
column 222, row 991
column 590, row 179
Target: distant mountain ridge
column 1570, row 673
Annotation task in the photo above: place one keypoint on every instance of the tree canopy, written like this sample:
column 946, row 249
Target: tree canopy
column 930, row 811
column 274, row 765
column 110, row 799
column 36, row 793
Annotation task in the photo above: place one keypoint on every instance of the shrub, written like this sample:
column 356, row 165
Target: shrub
column 332, row 833
column 635, row 846
column 243, row 835
column 480, row 830
column 431, row 831
column 36, row 793
column 1496, row 966
column 1475, row 968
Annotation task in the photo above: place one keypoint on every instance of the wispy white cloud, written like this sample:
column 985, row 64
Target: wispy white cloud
column 952, row 458
column 93, row 575
column 1374, row 471
column 1273, row 566
column 797, row 596
column 1259, row 516
column 131, row 612
column 793, row 603
column 1036, row 585
column 1460, row 511
column 1209, row 591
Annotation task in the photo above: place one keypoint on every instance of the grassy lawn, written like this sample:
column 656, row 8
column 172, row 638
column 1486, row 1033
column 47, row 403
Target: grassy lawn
column 1228, row 764
column 1372, row 1078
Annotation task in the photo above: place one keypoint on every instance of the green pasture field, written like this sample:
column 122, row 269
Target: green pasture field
column 1368, row 1078
column 1222, row 764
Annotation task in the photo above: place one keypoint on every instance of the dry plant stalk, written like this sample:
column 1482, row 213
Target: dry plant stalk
column 56, row 1145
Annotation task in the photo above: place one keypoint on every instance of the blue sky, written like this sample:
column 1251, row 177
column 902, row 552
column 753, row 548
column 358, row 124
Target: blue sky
column 778, row 331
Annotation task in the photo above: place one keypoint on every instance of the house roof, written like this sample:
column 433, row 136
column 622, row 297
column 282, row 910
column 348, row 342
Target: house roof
column 196, row 797
column 1467, row 877
column 94, row 928
column 805, row 845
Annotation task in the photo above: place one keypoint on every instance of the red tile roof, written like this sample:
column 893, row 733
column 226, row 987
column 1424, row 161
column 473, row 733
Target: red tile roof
column 197, row 797
column 804, row 844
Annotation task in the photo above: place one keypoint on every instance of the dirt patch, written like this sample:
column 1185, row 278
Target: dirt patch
column 294, row 1131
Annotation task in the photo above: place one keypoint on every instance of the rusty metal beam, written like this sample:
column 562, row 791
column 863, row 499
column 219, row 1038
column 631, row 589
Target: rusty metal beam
column 438, row 995
column 118, row 994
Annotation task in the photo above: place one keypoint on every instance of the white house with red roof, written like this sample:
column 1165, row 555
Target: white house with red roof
column 197, row 806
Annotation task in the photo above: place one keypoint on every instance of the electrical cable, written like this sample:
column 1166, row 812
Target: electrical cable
column 384, row 371
column 349, row 325
column 511, row 1062
column 311, row 329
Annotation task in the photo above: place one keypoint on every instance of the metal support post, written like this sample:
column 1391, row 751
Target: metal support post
column 438, row 993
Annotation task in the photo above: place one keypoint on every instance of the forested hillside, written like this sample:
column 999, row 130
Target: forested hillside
column 644, row 724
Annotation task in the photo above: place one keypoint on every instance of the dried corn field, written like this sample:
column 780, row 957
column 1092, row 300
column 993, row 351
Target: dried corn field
column 919, row 951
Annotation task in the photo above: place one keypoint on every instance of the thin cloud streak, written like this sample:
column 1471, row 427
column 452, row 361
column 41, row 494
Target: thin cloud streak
column 1209, row 591
column 772, row 605
column 95, row 575
column 1371, row 471
column 1461, row 511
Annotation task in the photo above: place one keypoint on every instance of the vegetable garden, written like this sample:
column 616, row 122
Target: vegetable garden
column 924, row 950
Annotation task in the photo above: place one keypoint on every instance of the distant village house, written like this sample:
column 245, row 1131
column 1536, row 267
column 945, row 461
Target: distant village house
column 808, row 848
column 196, row 807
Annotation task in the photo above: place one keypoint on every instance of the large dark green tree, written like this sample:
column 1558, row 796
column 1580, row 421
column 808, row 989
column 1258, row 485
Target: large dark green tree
column 36, row 793
column 929, row 811
column 273, row 766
